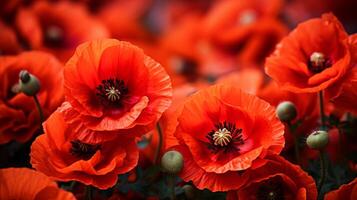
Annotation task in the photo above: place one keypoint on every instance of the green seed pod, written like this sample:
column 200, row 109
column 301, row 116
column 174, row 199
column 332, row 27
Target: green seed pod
column 172, row 162
column 317, row 139
column 28, row 83
column 286, row 111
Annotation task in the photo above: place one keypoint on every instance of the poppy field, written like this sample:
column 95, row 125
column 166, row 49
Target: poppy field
column 179, row 100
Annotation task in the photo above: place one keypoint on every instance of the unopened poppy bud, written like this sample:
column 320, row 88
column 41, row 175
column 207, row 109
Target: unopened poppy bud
column 172, row 162
column 28, row 83
column 286, row 111
column 317, row 139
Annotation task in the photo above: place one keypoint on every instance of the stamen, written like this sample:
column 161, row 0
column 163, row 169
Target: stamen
column 225, row 137
column 318, row 62
column 222, row 137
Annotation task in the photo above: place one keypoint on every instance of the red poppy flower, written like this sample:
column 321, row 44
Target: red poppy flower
column 223, row 131
column 19, row 118
column 114, row 86
column 24, row 183
column 250, row 29
column 347, row 191
column 57, row 27
column 61, row 155
column 123, row 18
column 312, row 58
column 194, row 55
column 277, row 179
column 8, row 41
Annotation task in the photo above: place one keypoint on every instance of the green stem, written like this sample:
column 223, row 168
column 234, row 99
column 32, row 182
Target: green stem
column 88, row 193
column 38, row 105
column 158, row 149
column 296, row 143
column 323, row 170
column 172, row 186
column 322, row 110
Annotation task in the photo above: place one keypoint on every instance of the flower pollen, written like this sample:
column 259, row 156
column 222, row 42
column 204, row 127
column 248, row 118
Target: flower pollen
column 318, row 62
column 225, row 137
column 222, row 137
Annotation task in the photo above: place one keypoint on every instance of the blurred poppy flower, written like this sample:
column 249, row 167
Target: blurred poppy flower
column 8, row 41
column 57, row 27
column 124, row 19
column 24, row 183
column 194, row 56
column 61, row 155
column 19, row 118
column 114, row 86
column 249, row 29
column 222, row 131
column 277, row 179
column 312, row 58
column 347, row 191
column 8, row 7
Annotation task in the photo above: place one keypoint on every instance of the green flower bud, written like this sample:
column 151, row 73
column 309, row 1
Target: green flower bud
column 286, row 111
column 28, row 83
column 172, row 162
column 317, row 139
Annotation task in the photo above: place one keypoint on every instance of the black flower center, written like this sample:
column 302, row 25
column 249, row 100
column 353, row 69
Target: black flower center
column 112, row 91
column 54, row 36
column 225, row 137
column 271, row 189
column 83, row 150
column 318, row 62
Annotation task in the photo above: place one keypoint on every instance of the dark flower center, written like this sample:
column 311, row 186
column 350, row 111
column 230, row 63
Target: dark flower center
column 318, row 62
column 112, row 91
column 83, row 150
column 225, row 137
column 271, row 189
column 54, row 36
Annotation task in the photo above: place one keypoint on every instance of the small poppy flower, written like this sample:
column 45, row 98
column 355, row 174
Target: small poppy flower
column 24, row 183
column 57, row 27
column 223, row 131
column 114, row 86
column 346, row 191
column 277, row 179
column 61, row 155
column 313, row 57
column 249, row 29
column 19, row 118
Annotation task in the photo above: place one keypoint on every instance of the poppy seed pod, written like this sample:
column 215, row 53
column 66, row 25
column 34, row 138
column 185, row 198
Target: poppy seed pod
column 317, row 139
column 29, row 84
column 286, row 111
column 172, row 162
